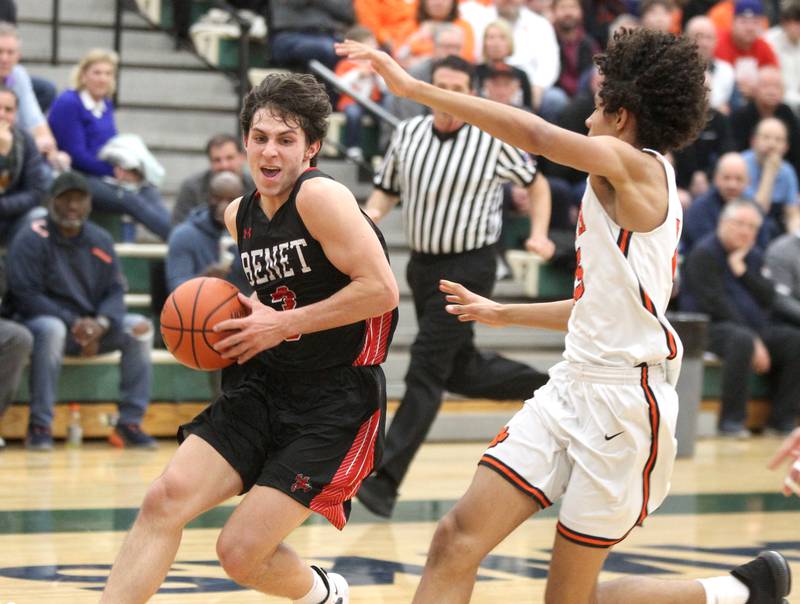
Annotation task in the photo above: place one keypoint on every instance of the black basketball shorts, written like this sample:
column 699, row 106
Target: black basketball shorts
column 312, row 435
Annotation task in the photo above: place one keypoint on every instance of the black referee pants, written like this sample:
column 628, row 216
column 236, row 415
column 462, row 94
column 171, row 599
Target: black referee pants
column 444, row 357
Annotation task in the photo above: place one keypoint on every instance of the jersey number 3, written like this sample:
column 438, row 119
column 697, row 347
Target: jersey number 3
column 288, row 301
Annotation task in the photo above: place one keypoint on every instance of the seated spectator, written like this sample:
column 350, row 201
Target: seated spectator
column 576, row 46
column 720, row 73
column 224, row 154
column 695, row 163
column 783, row 269
column 448, row 40
column 362, row 79
column 498, row 45
column 65, row 284
column 721, row 13
column 744, row 48
column 785, row 41
column 15, row 350
column 31, row 118
column 730, row 182
column 197, row 246
column 657, row 15
column 599, row 16
column 82, row 119
column 767, row 103
column 540, row 60
column 722, row 278
column 773, row 181
column 390, row 22
column 301, row 31
column 419, row 44
column 23, row 176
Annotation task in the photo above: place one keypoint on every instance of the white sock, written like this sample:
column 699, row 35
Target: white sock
column 318, row 592
column 725, row 590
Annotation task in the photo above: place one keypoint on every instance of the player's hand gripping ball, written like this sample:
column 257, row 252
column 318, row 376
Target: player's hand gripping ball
column 189, row 316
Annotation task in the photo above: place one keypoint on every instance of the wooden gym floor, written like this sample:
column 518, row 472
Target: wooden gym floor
column 63, row 516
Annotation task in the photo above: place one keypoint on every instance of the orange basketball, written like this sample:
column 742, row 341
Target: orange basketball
column 189, row 316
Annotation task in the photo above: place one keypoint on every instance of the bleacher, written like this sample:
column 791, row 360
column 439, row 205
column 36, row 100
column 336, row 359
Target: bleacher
column 176, row 101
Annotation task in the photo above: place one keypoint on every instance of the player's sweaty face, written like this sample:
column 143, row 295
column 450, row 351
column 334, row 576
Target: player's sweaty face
column 276, row 153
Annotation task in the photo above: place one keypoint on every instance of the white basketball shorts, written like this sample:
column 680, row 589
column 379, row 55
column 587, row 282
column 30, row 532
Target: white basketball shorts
column 601, row 439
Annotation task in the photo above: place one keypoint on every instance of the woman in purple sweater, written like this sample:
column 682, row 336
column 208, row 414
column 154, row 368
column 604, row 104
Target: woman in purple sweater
column 82, row 121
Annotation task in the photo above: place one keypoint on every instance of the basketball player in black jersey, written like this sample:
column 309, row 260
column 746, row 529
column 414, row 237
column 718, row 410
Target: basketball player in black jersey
column 300, row 422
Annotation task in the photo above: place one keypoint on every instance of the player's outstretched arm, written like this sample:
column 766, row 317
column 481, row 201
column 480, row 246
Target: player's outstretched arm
column 601, row 155
column 790, row 449
column 469, row 306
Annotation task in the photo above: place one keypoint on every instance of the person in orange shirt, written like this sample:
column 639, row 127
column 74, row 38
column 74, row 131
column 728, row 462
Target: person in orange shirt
column 419, row 45
column 390, row 21
column 362, row 79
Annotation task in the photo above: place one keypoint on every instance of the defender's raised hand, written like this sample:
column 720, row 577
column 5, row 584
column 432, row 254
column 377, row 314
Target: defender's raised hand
column 396, row 78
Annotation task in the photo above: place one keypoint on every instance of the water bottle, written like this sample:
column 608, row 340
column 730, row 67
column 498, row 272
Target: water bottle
column 74, row 428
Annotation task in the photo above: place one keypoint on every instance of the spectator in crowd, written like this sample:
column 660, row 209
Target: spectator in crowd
column 695, row 163
column 224, row 154
column 576, row 46
column 656, row 14
column 199, row 245
column 390, row 21
column 301, row 31
column 419, row 44
column 23, row 175
column 447, row 40
column 8, row 11
column 723, row 278
column 767, row 102
column 498, row 46
column 539, row 60
column 773, row 181
column 744, row 48
column 722, row 12
column 66, row 286
column 731, row 180
column 785, row 41
column 16, row 343
column 362, row 79
column 450, row 236
column 82, row 119
column 783, row 268
column 599, row 16
column 31, row 118
column 721, row 78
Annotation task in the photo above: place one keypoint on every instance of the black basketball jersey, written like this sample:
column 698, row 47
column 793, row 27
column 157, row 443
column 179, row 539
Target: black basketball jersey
column 288, row 269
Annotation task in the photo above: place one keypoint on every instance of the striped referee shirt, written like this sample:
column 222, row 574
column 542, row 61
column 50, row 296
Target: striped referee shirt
column 451, row 185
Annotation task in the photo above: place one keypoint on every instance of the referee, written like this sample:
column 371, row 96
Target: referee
column 450, row 177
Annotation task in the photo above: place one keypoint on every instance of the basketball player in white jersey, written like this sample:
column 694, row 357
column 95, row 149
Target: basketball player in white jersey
column 599, row 435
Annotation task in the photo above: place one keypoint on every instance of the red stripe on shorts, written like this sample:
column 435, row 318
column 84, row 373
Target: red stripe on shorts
column 376, row 340
column 355, row 467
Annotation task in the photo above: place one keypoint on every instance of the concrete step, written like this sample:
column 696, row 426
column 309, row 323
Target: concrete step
column 174, row 131
column 139, row 47
column 165, row 89
column 86, row 12
column 179, row 165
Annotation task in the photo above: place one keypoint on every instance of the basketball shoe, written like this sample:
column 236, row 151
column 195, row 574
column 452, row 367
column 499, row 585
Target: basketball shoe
column 338, row 590
column 768, row 577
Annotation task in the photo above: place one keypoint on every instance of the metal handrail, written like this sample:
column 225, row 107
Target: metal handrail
column 54, row 32
column 368, row 104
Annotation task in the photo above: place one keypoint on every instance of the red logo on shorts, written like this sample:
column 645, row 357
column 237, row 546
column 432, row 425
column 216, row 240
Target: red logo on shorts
column 302, row 483
column 501, row 436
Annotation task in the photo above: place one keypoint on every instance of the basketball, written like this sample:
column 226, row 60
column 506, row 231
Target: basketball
column 189, row 316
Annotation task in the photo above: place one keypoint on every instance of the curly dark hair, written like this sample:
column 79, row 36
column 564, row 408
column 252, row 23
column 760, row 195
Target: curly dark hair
column 293, row 97
column 660, row 79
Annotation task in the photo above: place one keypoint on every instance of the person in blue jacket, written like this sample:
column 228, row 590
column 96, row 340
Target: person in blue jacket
column 65, row 285
column 199, row 247
column 82, row 121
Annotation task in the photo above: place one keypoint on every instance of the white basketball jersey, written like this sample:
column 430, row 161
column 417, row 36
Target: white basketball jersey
column 623, row 283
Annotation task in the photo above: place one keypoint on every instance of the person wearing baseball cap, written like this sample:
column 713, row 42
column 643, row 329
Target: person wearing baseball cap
column 65, row 285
